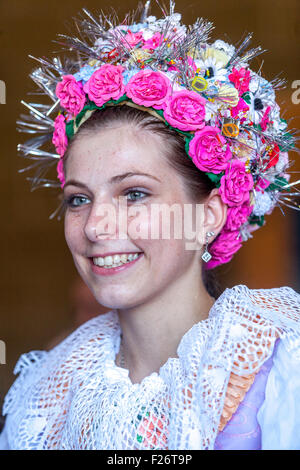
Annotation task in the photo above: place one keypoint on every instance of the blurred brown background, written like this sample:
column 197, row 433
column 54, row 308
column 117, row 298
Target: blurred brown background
column 41, row 297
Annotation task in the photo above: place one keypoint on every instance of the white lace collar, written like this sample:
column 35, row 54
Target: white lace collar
column 83, row 400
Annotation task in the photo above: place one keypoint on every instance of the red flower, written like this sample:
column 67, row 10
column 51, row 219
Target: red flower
column 273, row 155
column 241, row 79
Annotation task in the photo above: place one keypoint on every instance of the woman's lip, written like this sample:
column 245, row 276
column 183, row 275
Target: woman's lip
column 109, row 271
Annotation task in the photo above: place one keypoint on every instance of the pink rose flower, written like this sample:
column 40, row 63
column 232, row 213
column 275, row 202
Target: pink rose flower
column 223, row 248
column 60, row 172
column 59, row 138
column 235, row 184
column 241, row 79
column 132, row 39
column 149, row 88
column 261, row 184
column 106, row 83
column 209, row 150
column 185, row 110
column 153, row 42
column 71, row 94
column 237, row 215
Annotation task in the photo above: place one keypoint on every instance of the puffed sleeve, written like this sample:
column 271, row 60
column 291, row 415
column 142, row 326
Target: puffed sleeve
column 279, row 416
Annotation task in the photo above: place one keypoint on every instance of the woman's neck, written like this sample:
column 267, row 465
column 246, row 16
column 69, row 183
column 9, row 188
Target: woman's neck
column 153, row 331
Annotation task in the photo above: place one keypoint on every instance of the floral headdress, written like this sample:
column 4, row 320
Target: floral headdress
column 206, row 91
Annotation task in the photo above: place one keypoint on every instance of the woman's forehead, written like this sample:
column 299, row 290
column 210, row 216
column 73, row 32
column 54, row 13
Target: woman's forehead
column 117, row 148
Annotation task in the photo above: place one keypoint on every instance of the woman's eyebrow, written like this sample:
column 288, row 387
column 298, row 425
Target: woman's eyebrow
column 118, row 178
column 114, row 179
column 76, row 183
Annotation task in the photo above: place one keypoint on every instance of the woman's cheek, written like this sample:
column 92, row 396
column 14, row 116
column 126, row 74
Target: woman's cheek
column 139, row 223
column 73, row 229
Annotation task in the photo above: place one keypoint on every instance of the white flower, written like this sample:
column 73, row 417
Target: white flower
column 263, row 203
column 212, row 64
column 245, row 231
column 211, row 111
column 282, row 163
column 261, row 95
column 278, row 125
column 151, row 19
column 225, row 47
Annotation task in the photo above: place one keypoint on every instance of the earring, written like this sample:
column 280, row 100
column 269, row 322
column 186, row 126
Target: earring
column 206, row 255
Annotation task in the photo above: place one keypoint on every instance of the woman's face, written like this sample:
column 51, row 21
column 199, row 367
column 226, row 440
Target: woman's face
column 101, row 167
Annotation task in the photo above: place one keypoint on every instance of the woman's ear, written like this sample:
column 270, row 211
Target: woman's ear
column 215, row 215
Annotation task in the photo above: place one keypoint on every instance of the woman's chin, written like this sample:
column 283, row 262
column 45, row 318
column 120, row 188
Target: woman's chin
column 113, row 300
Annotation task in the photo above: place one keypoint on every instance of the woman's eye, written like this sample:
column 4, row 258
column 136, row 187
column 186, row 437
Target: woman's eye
column 76, row 201
column 135, row 195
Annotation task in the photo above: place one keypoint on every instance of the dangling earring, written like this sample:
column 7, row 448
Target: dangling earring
column 206, row 255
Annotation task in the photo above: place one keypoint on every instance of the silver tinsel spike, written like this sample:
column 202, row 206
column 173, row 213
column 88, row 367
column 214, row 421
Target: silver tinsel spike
column 239, row 50
column 56, row 104
column 290, row 184
column 43, row 183
column 36, row 112
column 162, row 8
column 30, row 127
column 172, row 7
column 78, row 45
column 145, row 11
column 249, row 55
column 59, row 211
column 32, row 151
column 89, row 14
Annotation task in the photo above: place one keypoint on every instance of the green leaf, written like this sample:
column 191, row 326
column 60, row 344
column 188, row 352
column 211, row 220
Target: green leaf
column 279, row 182
column 215, row 178
column 289, row 146
column 255, row 219
column 246, row 97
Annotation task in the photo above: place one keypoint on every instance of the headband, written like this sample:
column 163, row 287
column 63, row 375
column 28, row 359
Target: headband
column 205, row 90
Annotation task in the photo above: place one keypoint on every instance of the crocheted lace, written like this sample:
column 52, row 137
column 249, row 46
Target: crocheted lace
column 76, row 397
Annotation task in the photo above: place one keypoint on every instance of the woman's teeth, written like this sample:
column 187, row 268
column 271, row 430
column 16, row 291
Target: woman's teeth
column 115, row 261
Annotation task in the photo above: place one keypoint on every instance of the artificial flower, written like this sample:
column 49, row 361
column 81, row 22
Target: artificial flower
column 241, row 79
column 71, row 95
column 185, row 110
column 223, row 247
column 149, row 88
column 237, row 215
column 105, row 84
column 235, row 184
column 212, row 64
column 209, row 150
column 59, row 138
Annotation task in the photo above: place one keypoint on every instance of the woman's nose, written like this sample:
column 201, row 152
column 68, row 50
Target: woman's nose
column 102, row 222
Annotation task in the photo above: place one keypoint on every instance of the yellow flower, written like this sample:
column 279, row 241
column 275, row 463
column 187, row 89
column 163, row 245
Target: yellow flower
column 220, row 56
column 138, row 54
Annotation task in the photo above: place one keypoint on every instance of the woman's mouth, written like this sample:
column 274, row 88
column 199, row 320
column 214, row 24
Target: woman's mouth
column 114, row 263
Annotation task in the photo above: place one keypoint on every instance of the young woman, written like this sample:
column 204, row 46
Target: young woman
column 174, row 364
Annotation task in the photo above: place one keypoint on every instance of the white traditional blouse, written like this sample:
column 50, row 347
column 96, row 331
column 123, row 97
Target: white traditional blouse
column 235, row 384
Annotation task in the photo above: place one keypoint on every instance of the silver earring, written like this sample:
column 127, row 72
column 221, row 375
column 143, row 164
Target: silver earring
column 206, row 255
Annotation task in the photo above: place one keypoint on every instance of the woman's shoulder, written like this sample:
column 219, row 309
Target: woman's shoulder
column 271, row 337
column 65, row 363
column 278, row 307
column 279, row 416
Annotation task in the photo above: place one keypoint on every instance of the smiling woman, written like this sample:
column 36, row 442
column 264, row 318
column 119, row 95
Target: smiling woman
column 157, row 117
